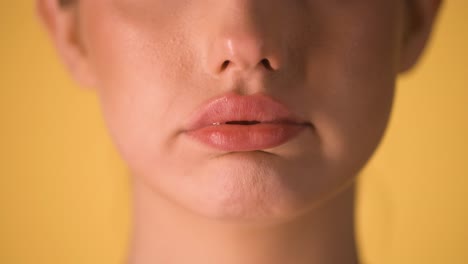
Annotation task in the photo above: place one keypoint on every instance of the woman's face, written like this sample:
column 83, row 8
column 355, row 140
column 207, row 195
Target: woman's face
column 156, row 63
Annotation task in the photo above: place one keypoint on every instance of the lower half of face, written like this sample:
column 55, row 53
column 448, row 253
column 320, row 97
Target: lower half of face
column 335, row 65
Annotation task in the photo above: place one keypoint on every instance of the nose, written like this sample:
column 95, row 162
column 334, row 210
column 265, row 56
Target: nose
column 242, row 40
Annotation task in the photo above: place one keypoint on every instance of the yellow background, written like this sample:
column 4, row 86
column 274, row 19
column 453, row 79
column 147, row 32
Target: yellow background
column 63, row 189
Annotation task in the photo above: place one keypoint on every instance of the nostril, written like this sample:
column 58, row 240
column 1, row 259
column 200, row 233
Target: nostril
column 266, row 63
column 225, row 65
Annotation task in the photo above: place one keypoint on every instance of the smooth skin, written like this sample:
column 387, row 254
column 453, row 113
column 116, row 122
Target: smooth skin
column 153, row 62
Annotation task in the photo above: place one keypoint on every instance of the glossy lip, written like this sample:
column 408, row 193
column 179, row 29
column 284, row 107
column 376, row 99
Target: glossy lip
column 273, row 124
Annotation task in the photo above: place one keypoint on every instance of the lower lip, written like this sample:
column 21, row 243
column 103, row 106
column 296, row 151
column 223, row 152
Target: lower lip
column 246, row 137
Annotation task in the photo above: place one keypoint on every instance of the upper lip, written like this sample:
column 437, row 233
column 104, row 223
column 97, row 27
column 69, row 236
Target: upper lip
column 231, row 107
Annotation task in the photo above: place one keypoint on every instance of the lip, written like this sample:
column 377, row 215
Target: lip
column 234, row 122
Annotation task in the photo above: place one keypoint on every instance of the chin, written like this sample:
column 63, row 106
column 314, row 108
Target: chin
column 255, row 188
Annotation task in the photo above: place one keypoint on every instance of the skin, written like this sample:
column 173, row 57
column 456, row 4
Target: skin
column 153, row 62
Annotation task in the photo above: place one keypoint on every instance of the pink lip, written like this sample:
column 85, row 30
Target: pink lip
column 273, row 124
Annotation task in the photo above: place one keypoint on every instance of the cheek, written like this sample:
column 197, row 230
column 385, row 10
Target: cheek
column 351, row 76
column 352, row 124
column 139, row 81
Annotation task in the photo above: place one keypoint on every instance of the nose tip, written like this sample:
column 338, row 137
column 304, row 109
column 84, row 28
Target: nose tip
column 242, row 52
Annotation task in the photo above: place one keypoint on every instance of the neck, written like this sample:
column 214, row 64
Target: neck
column 165, row 233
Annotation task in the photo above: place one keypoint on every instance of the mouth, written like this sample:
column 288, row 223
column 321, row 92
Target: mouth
column 244, row 123
column 255, row 122
column 246, row 137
